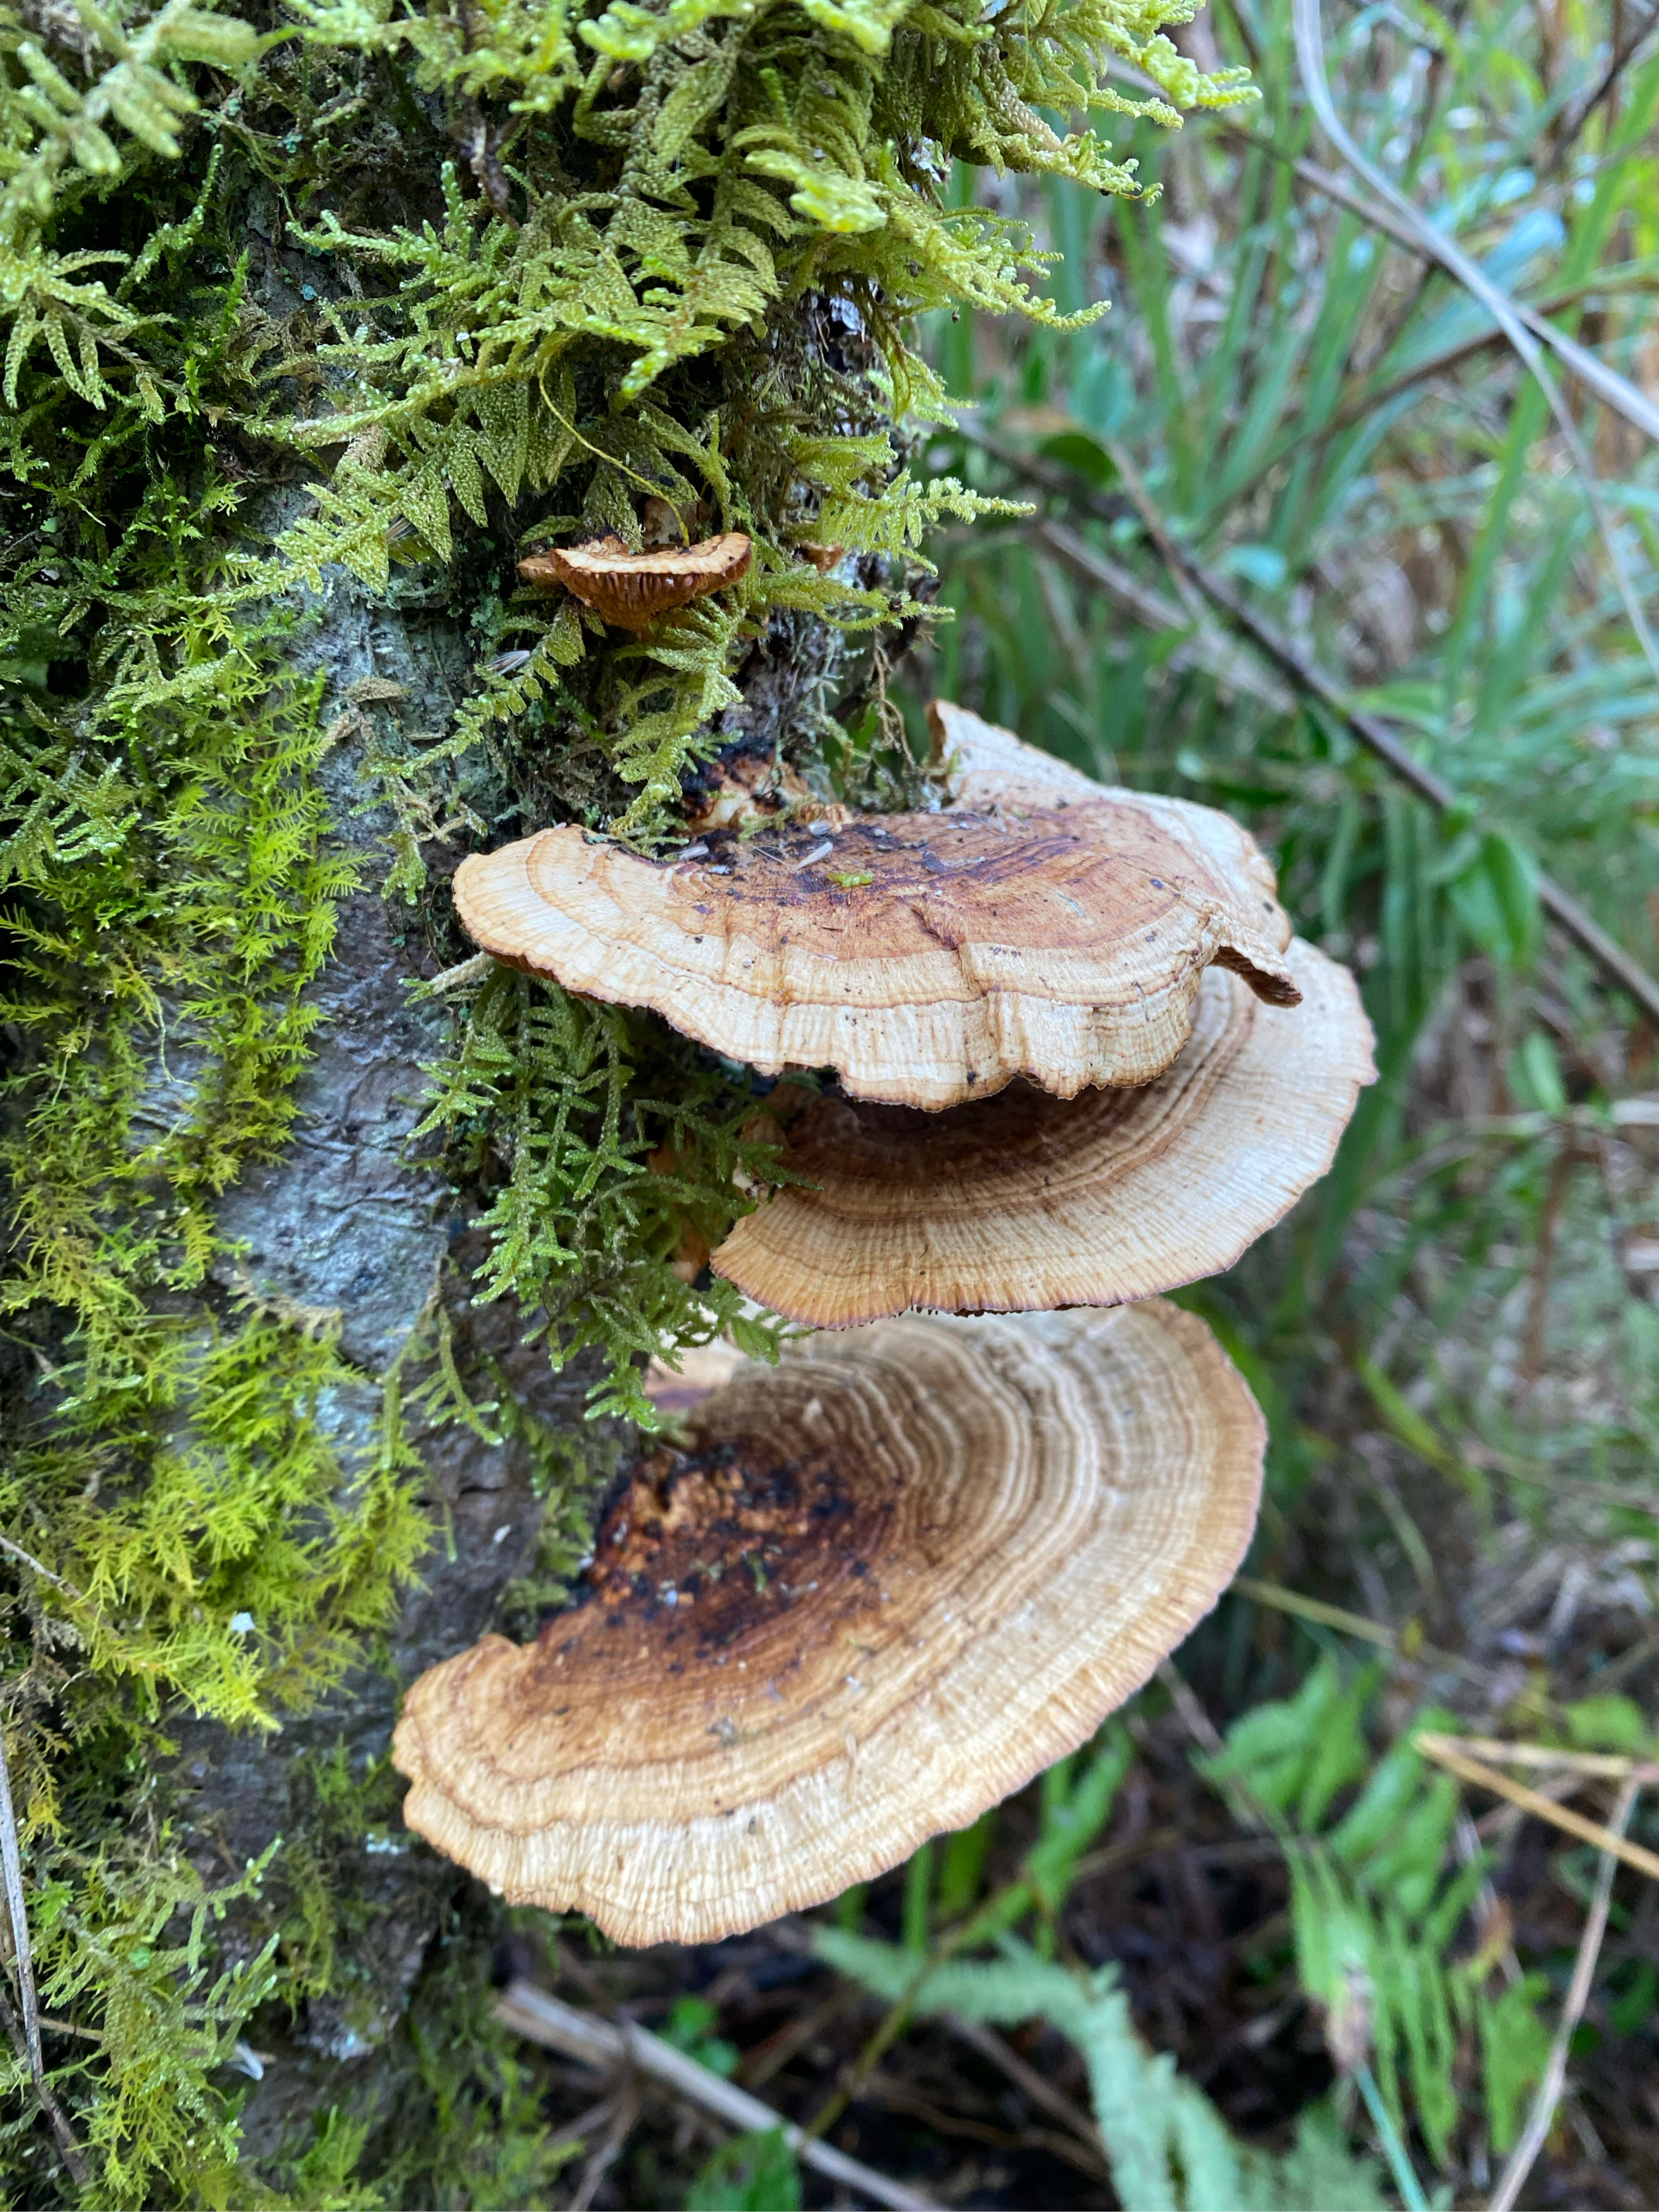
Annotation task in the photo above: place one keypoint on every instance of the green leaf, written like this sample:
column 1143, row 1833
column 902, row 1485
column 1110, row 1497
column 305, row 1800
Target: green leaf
column 754, row 2173
column 1515, row 2045
column 1607, row 1721
column 1074, row 1814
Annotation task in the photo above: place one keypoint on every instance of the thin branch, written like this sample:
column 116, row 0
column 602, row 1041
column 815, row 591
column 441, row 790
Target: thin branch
column 1409, row 228
column 1443, row 1752
column 11, row 1867
column 1453, row 356
column 45, row 1574
column 542, row 2017
column 1615, row 964
column 1634, row 276
column 1209, row 647
column 25, row 2038
column 458, row 978
column 1605, row 1766
column 1622, row 57
column 1606, row 383
column 1035, row 2086
column 73, row 2156
column 1516, row 326
column 1540, row 2119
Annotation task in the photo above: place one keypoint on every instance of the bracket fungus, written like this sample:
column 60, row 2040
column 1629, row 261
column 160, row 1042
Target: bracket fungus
column 887, row 1583
column 632, row 589
column 927, row 958
column 1025, row 1200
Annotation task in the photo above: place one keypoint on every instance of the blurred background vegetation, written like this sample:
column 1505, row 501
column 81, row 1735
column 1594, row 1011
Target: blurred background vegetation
column 1294, row 425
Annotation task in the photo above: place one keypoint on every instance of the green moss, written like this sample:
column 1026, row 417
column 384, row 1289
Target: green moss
column 607, row 1147
column 471, row 280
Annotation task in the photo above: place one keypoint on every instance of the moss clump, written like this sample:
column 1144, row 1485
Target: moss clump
column 620, row 1172
column 369, row 300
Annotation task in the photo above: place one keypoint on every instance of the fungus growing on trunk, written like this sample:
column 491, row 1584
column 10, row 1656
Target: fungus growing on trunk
column 1025, row 1200
column 887, row 1585
column 926, row 958
column 982, row 765
column 632, row 589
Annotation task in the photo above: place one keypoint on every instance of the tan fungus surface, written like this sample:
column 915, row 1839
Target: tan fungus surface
column 926, row 958
column 1025, row 1200
column 632, row 589
column 889, row 1583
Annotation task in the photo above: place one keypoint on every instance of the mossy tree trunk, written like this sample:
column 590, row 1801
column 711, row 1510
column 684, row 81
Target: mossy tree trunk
column 352, row 1233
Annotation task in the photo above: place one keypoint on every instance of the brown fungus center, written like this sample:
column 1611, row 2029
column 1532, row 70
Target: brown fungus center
column 926, row 958
column 700, row 1560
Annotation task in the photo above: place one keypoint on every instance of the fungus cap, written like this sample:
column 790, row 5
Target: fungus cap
column 896, row 1579
column 982, row 765
column 632, row 589
column 989, row 769
column 1025, row 1200
column 927, row 957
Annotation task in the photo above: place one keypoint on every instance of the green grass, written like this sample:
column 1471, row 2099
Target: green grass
column 1444, row 1335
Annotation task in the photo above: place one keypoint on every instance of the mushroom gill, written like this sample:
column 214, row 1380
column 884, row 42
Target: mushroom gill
column 884, row 1586
column 927, row 958
column 632, row 589
column 1023, row 1201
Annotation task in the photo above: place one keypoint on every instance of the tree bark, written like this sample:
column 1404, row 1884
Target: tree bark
column 350, row 1229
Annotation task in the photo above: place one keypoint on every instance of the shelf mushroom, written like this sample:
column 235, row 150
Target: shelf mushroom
column 888, row 1584
column 632, row 589
column 1025, row 1200
column 927, row 958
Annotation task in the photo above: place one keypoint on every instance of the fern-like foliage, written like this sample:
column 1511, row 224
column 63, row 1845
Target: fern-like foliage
column 397, row 293
column 132, row 1934
column 615, row 1151
column 713, row 164
column 1377, row 1909
column 61, row 123
column 1169, row 2148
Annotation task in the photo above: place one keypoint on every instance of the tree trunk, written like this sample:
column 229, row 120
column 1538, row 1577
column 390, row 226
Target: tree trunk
column 349, row 1230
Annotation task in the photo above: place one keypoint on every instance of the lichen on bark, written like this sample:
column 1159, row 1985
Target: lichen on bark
column 324, row 1288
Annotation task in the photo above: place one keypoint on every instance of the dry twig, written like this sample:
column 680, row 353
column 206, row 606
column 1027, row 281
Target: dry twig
column 542, row 2017
column 1609, row 1765
column 1444, row 1750
column 1611, row 957
column 1548, row 2095
column 26, row 2038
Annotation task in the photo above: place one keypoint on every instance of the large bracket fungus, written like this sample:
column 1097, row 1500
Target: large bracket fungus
column 887, row 1584
column 928, row 959
column 1023, row 1201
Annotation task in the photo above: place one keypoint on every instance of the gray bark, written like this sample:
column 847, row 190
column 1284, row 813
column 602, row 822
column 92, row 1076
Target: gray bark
column 348, row 1220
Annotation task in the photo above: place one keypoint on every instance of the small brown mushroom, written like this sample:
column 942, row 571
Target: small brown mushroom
column 927, row 957
column 744, row 788
column 1025, row 1201
column 632, row 589
column 889, row 1583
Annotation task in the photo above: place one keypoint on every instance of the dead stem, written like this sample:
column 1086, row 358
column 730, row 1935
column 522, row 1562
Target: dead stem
column 1548, row 2095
